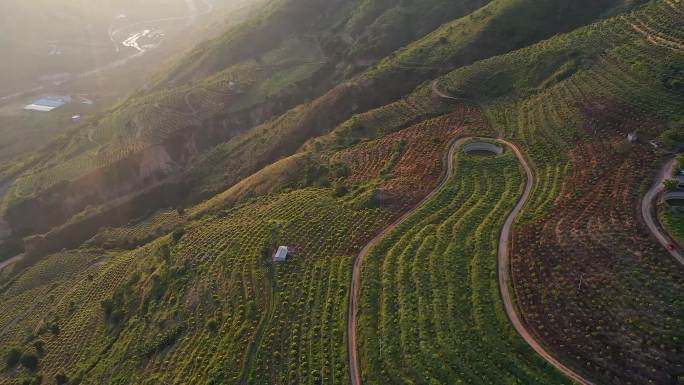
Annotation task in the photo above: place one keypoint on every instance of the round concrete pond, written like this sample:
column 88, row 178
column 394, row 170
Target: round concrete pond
column 482, row 149
column 674, row 198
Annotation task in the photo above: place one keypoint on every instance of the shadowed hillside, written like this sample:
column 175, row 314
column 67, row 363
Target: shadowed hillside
column 252, row 109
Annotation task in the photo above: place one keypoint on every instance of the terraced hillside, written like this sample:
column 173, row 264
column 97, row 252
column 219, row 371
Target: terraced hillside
column 201, row 307
column 205, row 304
column 585, row 268
column 190, row 295
column 431, row 310
column 169, row 135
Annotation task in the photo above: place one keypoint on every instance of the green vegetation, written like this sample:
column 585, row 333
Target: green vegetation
column 197, row 304
column 12, row 357
column 269, row 153
column 575, row 87
column 29, row 361
column 430, row 308
column 273, row 66
column 22, row 132
column 570, row 102
column 673, row 137
column 138, row 233
column 394, row 158
column 672, row 218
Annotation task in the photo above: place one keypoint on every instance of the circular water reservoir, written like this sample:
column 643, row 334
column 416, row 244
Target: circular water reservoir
column 482, row 149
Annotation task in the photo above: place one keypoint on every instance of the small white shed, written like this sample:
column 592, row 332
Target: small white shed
column 280, row 255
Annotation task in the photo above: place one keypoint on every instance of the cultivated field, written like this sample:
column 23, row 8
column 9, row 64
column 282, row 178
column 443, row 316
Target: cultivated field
column 205, row 303
column 430, row 308
column 585, row 269
column 201, row 302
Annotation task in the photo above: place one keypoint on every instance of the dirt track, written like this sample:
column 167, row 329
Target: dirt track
column 355, row 373
column 503, row 265
column 11, row 261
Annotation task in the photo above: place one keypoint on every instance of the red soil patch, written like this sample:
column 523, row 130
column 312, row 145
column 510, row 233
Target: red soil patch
column 420, row 164
column 589, row 280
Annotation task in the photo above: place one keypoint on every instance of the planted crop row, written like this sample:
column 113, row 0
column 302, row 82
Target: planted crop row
column 430, row 305
column 143, row 231
column 205, row 304
column 407, row 164
column 602, row 274
column 584, row 268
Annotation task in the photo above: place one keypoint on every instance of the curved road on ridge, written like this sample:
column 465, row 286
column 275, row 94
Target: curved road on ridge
column 503, row 264
column 441, row 94
column 648, row 210
column 504, row 274
column 355, row 373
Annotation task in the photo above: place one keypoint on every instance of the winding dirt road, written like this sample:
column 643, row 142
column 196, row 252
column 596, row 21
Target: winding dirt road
column 503, row 264
column 354, row 371
column 648, row 210
column 504, row 274
column 443, row 95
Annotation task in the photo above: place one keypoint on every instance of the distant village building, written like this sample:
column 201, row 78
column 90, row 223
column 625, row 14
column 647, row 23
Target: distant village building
column 48, row 104
column 632, row 137
column 281, row 254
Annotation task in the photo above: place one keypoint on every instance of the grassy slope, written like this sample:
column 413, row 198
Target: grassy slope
column 266, row 77
column 673, row 220
column 347, row 31
column 461, row 41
